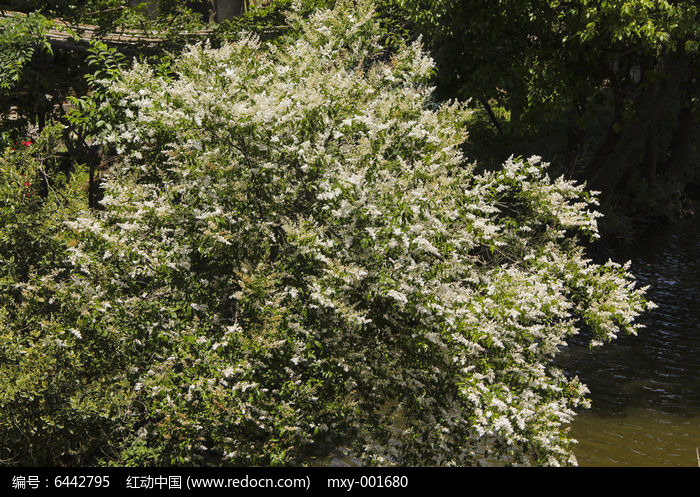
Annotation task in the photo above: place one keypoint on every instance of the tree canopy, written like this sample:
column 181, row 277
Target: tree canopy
column 618, row 71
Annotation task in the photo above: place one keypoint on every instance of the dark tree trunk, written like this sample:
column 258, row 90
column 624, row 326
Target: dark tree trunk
column 575, row 133
column 517, row 104
column 226, row 9
column 92, row 186
column 614, row 160
column 651, row 154
column 683, row 139
column 516, row 111
column 491, row 115
column 217, row 10
column 152, row 7
column 613, row 135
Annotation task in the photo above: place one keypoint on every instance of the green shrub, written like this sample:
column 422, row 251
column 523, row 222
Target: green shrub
column 52, row 390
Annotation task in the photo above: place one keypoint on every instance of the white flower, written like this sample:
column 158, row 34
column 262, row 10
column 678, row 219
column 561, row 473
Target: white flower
column 398, row 296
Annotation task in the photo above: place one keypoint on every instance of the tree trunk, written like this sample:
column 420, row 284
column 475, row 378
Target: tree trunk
column 609, row 168
column 651, row 154
column 492, row 116
column 613, row 135
column 92, row 186
column 152, row 7
column 516, row 112
column 683, row 139
column 226, row 9
column 575, row 133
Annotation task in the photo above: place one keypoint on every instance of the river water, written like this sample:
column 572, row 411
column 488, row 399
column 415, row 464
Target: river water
column 645, row 389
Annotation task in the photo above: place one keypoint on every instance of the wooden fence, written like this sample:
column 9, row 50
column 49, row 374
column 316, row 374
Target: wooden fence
column 78, row 36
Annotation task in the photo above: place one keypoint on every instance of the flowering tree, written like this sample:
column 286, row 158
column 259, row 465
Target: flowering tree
column 292, row 256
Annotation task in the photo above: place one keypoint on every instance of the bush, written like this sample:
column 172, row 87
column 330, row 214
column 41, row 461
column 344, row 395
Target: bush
column 48, row 376
column 294, row 256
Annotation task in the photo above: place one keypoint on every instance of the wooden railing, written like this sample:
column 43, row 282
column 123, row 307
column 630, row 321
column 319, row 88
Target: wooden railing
column 78, row 36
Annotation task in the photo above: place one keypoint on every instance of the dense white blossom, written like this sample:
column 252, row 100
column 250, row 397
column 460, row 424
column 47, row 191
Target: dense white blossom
column 297, row 240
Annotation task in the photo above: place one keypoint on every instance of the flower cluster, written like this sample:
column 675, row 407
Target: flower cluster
column 24, row 143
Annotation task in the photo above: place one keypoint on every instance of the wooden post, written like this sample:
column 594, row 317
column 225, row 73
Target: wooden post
column 152, row 7
column 226, row 9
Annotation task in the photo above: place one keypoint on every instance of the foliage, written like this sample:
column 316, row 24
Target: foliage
column 20, row 37
column 610, row 74
column 108, row 15
column 545, row 48
column 21, row 40
column 86, row 116
column 36, row 371
column 268, row 21
column 293, row 256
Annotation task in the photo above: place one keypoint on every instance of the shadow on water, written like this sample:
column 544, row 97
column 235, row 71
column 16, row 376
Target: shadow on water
column 645, row 390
